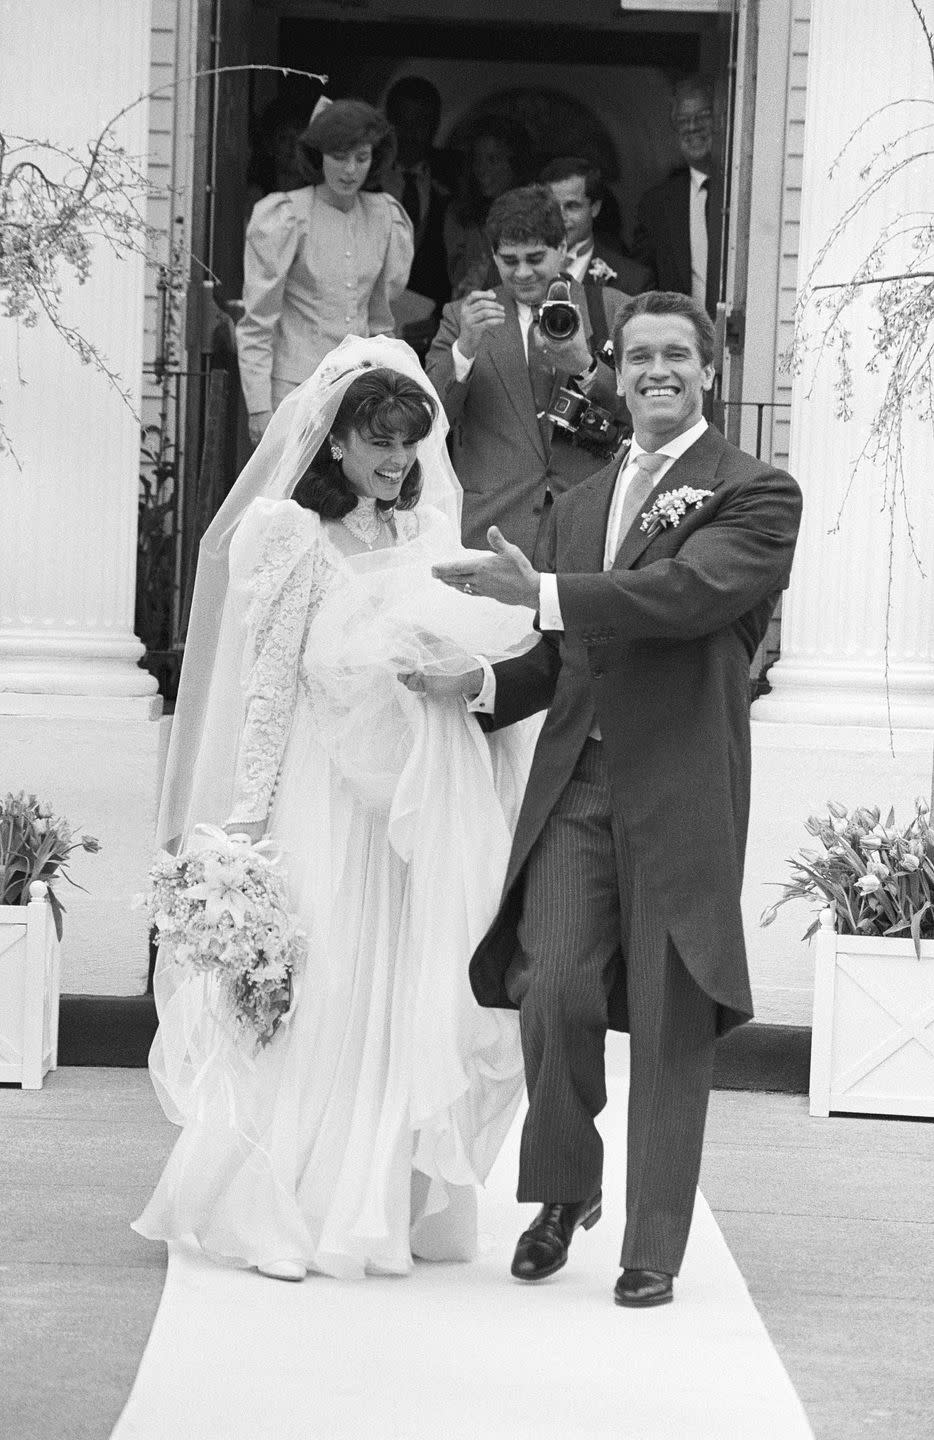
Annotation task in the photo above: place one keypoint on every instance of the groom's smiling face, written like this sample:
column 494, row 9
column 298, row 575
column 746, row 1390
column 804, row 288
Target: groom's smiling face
column 663, row 377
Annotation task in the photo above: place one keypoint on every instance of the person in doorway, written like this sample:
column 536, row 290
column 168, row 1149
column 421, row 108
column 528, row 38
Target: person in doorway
column 677, row 229
column 622, row 900
column 499, row 158
column 275, row 164
column 577, row 185
column 323, row 261
column 413, row 108
column 496, row 375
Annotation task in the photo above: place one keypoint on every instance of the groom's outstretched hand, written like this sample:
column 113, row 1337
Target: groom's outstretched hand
column 506, row 575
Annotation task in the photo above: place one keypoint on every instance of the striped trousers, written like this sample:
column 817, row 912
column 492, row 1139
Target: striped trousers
column 585, row 913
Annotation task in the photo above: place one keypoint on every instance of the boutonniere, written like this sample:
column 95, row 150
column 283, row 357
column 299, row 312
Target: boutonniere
column 670, row 506
column 600, row 272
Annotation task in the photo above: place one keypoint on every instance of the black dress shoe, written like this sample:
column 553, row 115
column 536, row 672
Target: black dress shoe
column 543, row 1248
column 641, row 1288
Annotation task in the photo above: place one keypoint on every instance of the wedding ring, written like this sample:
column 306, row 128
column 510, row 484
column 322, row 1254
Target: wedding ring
column 468, row 588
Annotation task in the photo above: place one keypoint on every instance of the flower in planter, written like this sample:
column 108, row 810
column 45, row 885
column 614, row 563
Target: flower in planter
column 877, row 879
column 35, row 845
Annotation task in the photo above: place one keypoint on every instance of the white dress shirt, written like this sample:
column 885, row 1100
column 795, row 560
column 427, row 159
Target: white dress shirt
column 698, row 234
column 578, row 261
column 549, row 608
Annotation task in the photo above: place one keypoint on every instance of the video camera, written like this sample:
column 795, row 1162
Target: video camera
column 582, row 422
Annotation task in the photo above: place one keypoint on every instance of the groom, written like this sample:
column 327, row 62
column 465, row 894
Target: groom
column 621, row 905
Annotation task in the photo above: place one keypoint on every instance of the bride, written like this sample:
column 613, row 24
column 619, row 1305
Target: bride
column 355, row 1139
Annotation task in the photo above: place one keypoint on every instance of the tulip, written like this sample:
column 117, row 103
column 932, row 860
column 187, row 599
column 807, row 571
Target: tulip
column 838, row 811
column 910, row 862
column 870, row 842
column 868, row 884
column 877, row 868
column 921, row 805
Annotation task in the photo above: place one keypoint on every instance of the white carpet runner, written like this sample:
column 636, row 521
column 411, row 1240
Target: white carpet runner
column 463, row 1352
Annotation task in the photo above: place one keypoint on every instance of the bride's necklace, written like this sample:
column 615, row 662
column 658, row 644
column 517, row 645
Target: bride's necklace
column 364, row 520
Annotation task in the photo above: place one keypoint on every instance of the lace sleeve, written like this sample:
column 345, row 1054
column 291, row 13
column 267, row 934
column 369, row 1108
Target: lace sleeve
column 285, row 589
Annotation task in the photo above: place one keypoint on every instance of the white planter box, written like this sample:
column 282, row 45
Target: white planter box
column 872, row 1042
column 29, row 991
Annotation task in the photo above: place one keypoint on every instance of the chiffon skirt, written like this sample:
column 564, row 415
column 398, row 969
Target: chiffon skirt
column 354, row 1140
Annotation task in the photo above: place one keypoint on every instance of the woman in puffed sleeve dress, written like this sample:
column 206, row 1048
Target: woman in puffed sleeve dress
column 321, row 262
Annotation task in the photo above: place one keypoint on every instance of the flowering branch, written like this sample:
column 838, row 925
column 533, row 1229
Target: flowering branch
column 48, row 225
column 902, row 339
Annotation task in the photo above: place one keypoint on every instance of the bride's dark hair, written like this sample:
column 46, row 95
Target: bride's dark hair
column 378, row 404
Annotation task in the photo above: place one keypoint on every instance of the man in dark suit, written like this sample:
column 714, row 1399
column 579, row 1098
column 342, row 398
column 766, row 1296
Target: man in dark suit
column 577, row 185
column 416, row 180
column 677, row 229
column 497, row 374
column 621, row 906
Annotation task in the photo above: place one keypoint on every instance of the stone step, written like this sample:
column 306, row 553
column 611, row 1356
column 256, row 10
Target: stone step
column 117, row 1030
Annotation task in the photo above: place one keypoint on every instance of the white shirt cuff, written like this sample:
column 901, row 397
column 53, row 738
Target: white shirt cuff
column 485, row 702
column 584, row 382
column 549, row 608
column 462, row 366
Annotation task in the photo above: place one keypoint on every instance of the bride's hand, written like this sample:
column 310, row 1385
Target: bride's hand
column 468, row 685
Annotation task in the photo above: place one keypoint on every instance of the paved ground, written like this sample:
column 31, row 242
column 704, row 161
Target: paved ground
column 831, row 1222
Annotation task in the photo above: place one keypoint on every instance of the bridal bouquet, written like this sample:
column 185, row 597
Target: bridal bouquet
column 222, row 906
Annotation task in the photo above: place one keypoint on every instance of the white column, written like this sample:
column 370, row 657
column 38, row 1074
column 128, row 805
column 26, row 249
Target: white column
column 67, row 544
column 850, row 615
column 824, row 731
column 78, row 717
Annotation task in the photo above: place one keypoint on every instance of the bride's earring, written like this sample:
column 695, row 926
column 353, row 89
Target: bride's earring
column 336, row 451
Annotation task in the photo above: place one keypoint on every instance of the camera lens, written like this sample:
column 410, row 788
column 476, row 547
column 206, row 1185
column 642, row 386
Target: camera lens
column 559, row 320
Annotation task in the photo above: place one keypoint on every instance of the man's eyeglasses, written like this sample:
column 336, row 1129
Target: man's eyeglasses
column 685, row 123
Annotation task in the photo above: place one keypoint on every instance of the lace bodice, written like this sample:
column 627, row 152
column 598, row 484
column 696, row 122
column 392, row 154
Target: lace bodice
column 295, row 568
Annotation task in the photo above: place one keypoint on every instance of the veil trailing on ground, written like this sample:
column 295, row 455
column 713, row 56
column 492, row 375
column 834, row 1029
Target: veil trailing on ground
column 210, row 686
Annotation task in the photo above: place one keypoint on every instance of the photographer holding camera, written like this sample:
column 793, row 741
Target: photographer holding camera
column 532, row 408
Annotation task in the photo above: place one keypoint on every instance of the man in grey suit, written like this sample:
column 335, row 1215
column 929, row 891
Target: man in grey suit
column 621, row 905
column 496, row 375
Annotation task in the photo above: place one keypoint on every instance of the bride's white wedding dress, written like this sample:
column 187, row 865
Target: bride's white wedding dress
column 355, row 1138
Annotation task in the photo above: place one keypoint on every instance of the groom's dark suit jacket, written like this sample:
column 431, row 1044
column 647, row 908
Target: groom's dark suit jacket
column 658, row 648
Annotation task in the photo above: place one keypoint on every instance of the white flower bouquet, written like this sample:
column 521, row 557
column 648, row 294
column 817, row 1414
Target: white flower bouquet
column 222, row 906
column 600, row 272
column 669, row 508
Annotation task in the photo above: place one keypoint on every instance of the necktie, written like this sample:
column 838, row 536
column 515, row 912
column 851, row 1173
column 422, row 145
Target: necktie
column 411, row 201
column 640, row 488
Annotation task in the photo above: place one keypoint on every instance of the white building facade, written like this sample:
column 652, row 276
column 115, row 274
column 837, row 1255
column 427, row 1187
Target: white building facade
column 851, row 712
